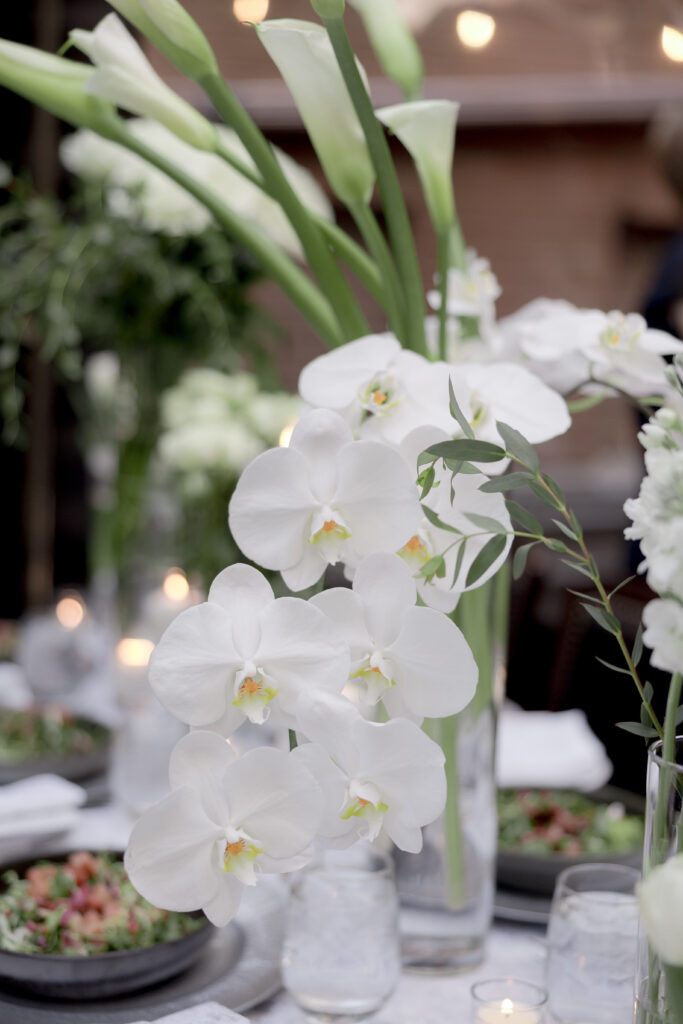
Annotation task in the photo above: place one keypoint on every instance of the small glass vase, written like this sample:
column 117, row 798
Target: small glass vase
column 659, row 988
column 447, row 889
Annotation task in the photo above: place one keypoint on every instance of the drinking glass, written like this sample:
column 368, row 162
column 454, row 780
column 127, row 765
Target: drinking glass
column 592, row 944
column 341, row 956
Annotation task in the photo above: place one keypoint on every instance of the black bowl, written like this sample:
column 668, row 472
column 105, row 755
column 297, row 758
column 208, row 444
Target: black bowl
column 75, row 766
column 99, row 975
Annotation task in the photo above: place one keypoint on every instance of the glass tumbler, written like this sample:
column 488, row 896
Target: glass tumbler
column 592, row 944
column 341, row 955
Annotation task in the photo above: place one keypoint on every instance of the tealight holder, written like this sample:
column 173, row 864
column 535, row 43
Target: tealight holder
column 508, row 1001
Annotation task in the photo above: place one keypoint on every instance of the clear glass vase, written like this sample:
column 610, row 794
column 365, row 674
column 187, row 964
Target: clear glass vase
column 659, row 988
column 447, row 889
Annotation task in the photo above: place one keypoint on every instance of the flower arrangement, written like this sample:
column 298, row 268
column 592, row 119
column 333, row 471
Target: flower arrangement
column 400, row 468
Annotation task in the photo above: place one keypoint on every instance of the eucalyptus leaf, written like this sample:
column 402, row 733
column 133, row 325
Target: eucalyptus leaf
column 508, row 482
column 525, row 519
column 520, row 558
column 485, row 559
column 518, row 447
column 466, row 450
column 603, row 618
column 457, row 413
column 486, row 523
column 638, row 729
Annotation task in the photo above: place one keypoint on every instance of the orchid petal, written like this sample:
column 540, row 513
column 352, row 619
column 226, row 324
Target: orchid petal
column 275, row 800
column 405, row 837
column 225, row 904
column 193, row 664
column 331, row 722
column 271, row 507
column 307, row 570
column 334, row 379
column 170, row 855
column 332, row 782
column 320, row 436
column 243, row 592
column 199, row 760
column 519, row 398
column 386, row 587
column 432, row 664
column 344, row 608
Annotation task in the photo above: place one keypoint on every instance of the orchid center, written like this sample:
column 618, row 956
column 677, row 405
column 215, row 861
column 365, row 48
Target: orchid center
column 239, row 855
column 254, row 691
column 416, row 551
column 381, row 395
column 375, row 675
column 364, row 801
column 329, row 531
column 622, row 332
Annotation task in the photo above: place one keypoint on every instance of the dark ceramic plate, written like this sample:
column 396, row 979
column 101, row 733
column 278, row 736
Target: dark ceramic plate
column 536, row 873
column 99, row 975
column 70, row 766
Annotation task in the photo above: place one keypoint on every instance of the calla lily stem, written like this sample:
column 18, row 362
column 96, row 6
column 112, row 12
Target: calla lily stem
column 392, row 292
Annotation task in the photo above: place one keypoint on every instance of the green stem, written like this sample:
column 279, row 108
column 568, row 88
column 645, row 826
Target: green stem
column 667, row 775
column 320, row 259
column 276, row 263
column 454, row 854
column 444, row 262
column 374, row 239
column 398, row 222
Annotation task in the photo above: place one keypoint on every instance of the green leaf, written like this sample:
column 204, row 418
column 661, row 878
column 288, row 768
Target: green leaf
column 620, row 585
column 603, row 618
column 520, row 558
column 644, row 715
column 579, row 568
column 563, row 528
column 486, row 523
column 485, row 559
column 613, row 668
column 575, row 524
column 518, row 446
column 508, row 482
column 431, row 568
column 543, row 495
column 525, row 519
column 638, row 729
column 581, row 404
column 466, row 450
column 426, row 481
column 584, row 596
column 458, row 561
column 457, row 413
column 555, row 488
column 434, row 519
column 637, row 652
column 648, row 692
column 556, row 545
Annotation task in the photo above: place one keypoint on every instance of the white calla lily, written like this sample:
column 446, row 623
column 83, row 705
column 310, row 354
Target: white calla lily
column 660, row 898
column 413, row 659
column 124, row 76
column 226, row 820
column 382, row 390
column 386, row 777
column 427, row 130
column 393, row 43
column 243, row 653
column 170, row 28
column 304, row 56
column 430, row 540
column 325, row 498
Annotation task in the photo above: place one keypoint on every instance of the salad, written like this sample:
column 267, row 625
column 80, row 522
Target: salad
column 82, row 906
column 546, row 821
column 46, row 731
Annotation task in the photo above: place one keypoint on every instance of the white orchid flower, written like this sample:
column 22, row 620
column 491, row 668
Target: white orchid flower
column 427, row 130
column 514, row 395
column 379, row 388
column 304, row 57
column 170, row 28
column 392, row 41
column 243, row 652
column 660, row 898
column 431, row 540
column 326, row 498
column 470, row 292
column 413, row 659
column 386, row 777
column 225, row 821
column 124, row 76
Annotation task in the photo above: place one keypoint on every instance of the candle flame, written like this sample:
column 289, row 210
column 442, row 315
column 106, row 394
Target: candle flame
column 175, row 585
column 134, row 652
column 70, row 612
column 507, row 1007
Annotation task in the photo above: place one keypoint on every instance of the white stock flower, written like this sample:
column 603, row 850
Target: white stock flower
column 657, row 517
column 660, row 898
column 663, row 621
column 413, row 659
column 324, row 499
column 386, row 777
column 427, row 130
column 379, row 388
column 214, row 444
column 226, row 820
column 304, row 57
column 430, row 540
column 244, row 651
column 124, row 76
column 472, row 292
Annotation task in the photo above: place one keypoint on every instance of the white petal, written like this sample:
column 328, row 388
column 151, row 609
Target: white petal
column 228, row 723
column 519, row 398
column 192, row 666
column 434, row 597
column 274, row 799
column 301, row 648
column 385, row 585
column 433, row 664
column 307, row 570
column 271, row 507
column 377, row 497
column 170, row 855
column 244, row 592
column 661, row 342
column 199, row 760
column 319, row 437
column 334, row 379
column 225, row 904
column 344, row 608
column 406, row 837
column 332, row 782
column 332, row 722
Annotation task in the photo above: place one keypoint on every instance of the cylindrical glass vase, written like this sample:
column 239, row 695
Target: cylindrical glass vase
column 659, row 988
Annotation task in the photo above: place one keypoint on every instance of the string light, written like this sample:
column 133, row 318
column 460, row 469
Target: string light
column 672, row 43
column 475, row 29
column 134, row 652
column 250, row 10
column 175, row 585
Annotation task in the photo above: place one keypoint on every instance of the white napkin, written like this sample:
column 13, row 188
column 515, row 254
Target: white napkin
column 549, row 750
column 15, row 693
column 40, row 805
column 206, row 1013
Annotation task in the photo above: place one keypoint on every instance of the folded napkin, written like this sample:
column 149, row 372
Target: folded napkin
column 206, row 1013
column 549, row 750
column 40, row 805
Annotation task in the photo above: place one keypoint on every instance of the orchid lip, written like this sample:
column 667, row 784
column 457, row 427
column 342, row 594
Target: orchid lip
column 239, row 855
column 253, row 693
